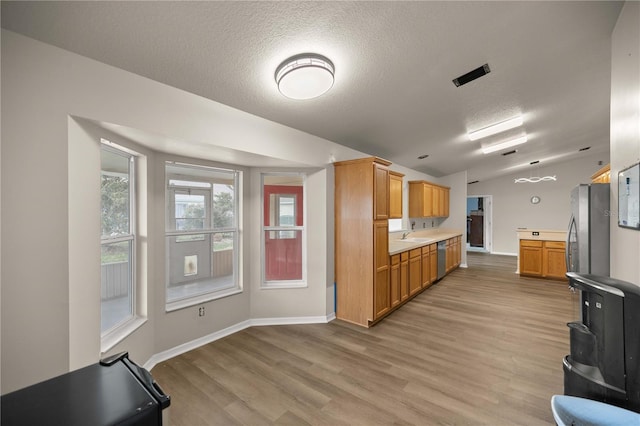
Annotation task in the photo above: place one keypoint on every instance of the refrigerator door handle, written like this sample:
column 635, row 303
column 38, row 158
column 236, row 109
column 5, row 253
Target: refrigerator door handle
column 567, row 252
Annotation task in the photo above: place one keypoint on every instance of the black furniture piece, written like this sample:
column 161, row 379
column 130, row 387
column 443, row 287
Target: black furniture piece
column 604, row 360
column 115, row 391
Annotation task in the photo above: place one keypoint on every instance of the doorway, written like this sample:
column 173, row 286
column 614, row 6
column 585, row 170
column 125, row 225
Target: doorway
column 479, row 229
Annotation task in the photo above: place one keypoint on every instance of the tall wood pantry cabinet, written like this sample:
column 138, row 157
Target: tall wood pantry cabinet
column 362, row 262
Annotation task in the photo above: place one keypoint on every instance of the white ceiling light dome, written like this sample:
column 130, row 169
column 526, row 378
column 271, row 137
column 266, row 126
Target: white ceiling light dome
column 305, row 76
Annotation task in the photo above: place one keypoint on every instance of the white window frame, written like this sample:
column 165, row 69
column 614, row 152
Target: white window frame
column 209, row 231
column 278, row 284
column 115, row 334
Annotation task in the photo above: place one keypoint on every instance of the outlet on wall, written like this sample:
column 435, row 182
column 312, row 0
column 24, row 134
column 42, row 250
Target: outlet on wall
column 201, row 311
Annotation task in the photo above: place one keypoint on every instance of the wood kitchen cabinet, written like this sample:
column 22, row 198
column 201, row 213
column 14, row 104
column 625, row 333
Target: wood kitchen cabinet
column 426, row 266
column 433, row 263
column 545, row 259
column 394, row 280
column 428, row 199
column 531, row 257
column 553, row 260
column 603, row 175
column 415, row 271
column 404, row 276
column 395, row 195
column 362, row 263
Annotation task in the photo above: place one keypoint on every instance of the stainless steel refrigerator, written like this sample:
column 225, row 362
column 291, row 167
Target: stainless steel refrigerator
column 588, row 237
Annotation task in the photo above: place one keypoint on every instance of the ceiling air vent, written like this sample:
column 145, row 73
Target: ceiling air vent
column 584, row 149
column 534, row 162
column 471, row 183
column 422, row 157
column 472, row 75
column 510, row 152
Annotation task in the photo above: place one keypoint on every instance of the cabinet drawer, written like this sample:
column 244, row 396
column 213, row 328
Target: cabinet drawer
column 415, row 253
column 395, row 259
column 530, row 243
column 554, row 244
column 433, row 248
column 404, row 256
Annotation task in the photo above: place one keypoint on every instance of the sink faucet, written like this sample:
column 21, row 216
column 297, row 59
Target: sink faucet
column 404, row 235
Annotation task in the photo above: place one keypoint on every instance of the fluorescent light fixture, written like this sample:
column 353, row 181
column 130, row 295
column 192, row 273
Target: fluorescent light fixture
column 506, row 144
column 496, row 128
column 305, row 76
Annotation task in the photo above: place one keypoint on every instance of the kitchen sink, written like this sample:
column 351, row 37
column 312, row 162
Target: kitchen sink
column 416, row 240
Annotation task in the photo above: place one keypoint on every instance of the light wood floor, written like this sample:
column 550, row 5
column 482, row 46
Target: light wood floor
column 483, row 346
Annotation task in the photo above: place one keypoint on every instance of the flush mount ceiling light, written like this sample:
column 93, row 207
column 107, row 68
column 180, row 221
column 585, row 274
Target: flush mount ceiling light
column 305, row 76
column 496, row 128
column 506, row 144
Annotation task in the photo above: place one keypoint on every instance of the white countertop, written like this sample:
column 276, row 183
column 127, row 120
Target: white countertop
column 541, row 234
column 422, row 238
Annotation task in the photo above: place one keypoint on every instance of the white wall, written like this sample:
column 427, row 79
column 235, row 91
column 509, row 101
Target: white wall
column 625, row 133
column 512, row 208
column 457, row 207
column 50, row 255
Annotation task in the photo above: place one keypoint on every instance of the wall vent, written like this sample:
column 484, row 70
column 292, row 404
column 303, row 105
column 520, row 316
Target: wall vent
column 534, row 162
column 472, row 75
column 510, row 152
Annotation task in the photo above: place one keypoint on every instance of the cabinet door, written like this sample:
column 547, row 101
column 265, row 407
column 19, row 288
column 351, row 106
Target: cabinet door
column 427, row 203
column 435, row 201
column 426, row 273
column 395, row 196
column 381, row 289
column 433, row 262
column 404, row 276
column 380, row 193
column 531, row 257
column 415, row 271
column 445, row 203
column 395, row 280
column 553, row 260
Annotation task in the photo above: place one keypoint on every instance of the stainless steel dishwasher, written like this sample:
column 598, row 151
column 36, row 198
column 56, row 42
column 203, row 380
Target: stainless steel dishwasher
column 442, row 258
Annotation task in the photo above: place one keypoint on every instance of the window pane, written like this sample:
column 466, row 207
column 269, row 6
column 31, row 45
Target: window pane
column 115, row 195
column 200, row 267
column 190, row 211
column 283, row 255
column 116, row 284
column 223, row 206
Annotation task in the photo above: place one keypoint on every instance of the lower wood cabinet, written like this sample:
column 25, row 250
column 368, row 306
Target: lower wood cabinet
column 394, row 279
column 544, row 259
column 415, row 271
column 433, row 263
column 553, row 260
column 426, row 266
column 410, row 272
column 404, row 276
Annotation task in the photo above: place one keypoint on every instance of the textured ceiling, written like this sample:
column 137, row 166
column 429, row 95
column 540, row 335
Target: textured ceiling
column 393, row 95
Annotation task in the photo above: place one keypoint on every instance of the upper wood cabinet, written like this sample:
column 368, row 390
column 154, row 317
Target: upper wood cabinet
column 362, row 264
column 603, row 175
column 395, row 195
column 428, row 199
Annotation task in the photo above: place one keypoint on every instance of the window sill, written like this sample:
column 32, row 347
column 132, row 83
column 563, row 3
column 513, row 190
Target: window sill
column 283, row 284
column 197, row 300
column 119, row 334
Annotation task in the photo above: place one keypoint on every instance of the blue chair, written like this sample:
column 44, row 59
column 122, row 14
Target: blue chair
column 574, row 411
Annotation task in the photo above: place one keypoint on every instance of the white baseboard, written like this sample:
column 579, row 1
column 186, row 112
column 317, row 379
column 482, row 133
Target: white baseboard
column 256, row 322
column 504, row 254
